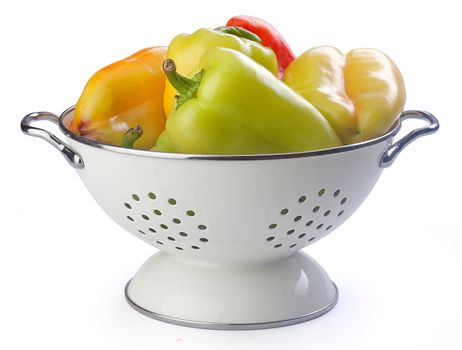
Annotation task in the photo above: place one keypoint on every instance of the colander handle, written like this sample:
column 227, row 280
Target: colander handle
column 392, row 151
column 72, row 157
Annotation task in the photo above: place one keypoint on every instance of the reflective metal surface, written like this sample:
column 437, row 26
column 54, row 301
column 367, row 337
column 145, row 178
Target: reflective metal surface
column 232, row 326
column 72, row 157
column 390, row 154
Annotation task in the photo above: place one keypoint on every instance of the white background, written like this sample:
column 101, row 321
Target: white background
column 64, row 263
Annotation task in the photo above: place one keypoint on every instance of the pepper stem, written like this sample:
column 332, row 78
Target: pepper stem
column 131, row 136
column 186, row 87
column 239, row 32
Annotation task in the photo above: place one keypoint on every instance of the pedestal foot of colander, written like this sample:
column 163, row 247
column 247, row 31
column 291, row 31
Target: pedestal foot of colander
column 279, row 293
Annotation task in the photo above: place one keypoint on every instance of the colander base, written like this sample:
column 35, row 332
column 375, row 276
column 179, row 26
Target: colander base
column 231, row 326
column 274, row 294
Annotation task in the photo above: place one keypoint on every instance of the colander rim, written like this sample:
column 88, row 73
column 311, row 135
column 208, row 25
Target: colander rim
column 167, row 155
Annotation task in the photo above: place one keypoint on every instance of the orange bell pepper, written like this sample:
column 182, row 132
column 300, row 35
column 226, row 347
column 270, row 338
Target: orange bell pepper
column 121, row 96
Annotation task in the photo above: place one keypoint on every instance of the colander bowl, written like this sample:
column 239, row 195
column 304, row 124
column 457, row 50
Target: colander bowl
column 229, row 229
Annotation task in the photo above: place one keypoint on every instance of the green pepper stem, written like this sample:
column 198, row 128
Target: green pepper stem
column 239, row 32
column 187, row 88
column 131, row 136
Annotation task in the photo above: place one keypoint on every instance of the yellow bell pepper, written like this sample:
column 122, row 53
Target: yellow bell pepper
column 187, row 49
column 361, row 93
column 121, row 96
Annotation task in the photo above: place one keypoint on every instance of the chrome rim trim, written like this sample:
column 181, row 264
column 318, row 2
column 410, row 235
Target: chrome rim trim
column 145, row 153
column 232, row 326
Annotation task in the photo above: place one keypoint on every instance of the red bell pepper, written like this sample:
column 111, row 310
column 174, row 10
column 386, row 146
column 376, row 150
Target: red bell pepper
column 270, row 38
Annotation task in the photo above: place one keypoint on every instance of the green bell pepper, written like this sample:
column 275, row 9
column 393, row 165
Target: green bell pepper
column 187, row 49
column 163, row 144
column 236, row 106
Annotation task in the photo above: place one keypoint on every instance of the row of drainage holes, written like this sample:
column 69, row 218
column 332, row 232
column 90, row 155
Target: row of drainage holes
column 295, row 244
column 173, row 201
column 165, row 227
column 285, row 211
column 301, row 199
column 271, row 238
column 179, row 248
column 321, row 192
column 175, row 220
column 183, row 234
column 309, row 223
column 152, row 196
column 159, row 213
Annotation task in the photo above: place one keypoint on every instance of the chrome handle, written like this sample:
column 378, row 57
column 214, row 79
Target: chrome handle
column 72, row 157
column 392, row 151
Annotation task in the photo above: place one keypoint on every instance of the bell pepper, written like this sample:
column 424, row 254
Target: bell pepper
column 236, row 106
column 361, row 93
column 270, row 38
column 187, row 49
column 122, row 95
column 163, row 144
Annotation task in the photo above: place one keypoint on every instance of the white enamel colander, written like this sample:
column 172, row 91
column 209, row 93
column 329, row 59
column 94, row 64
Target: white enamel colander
column 229, row 229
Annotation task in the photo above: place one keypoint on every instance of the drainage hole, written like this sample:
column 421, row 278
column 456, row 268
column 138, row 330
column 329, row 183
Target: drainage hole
column 176, row 221
column 327, row 212
column 128, row 205
column 278, row 245
column 328, row 227
column 151, row 195
column 290, row 232
column 184, row 234
column 203, row 240
column 179, row 248
column 319, row 226
column 336, row 193
column 172, row 201
column 152, row 230
column 311, row 239
column 302, row 199
column 343, row 201
column 284, row 211
column 157, row 212
column 141, row 231
column 272, row 226
column 130, row 218
column 159, row 242
column 136, row 197
column 321, row 192
column 269, row 239
column 309, row 223
column 195, row 247
column 340, row 213
column 171, row 238
column 297, row 218
column 316, row 208
column 202, row 227
column 302, row 235
column 145, row 217
column 165, row 227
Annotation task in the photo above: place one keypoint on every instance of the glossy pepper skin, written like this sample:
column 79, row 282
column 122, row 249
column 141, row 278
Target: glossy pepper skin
column 361, row 93
column 121, row 96
column 269, row 36
column 239, row 107
column 163, row 144
column 187, row 49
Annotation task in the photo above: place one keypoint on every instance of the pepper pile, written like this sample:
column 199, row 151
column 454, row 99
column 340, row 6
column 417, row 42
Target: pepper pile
column 239, row 89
